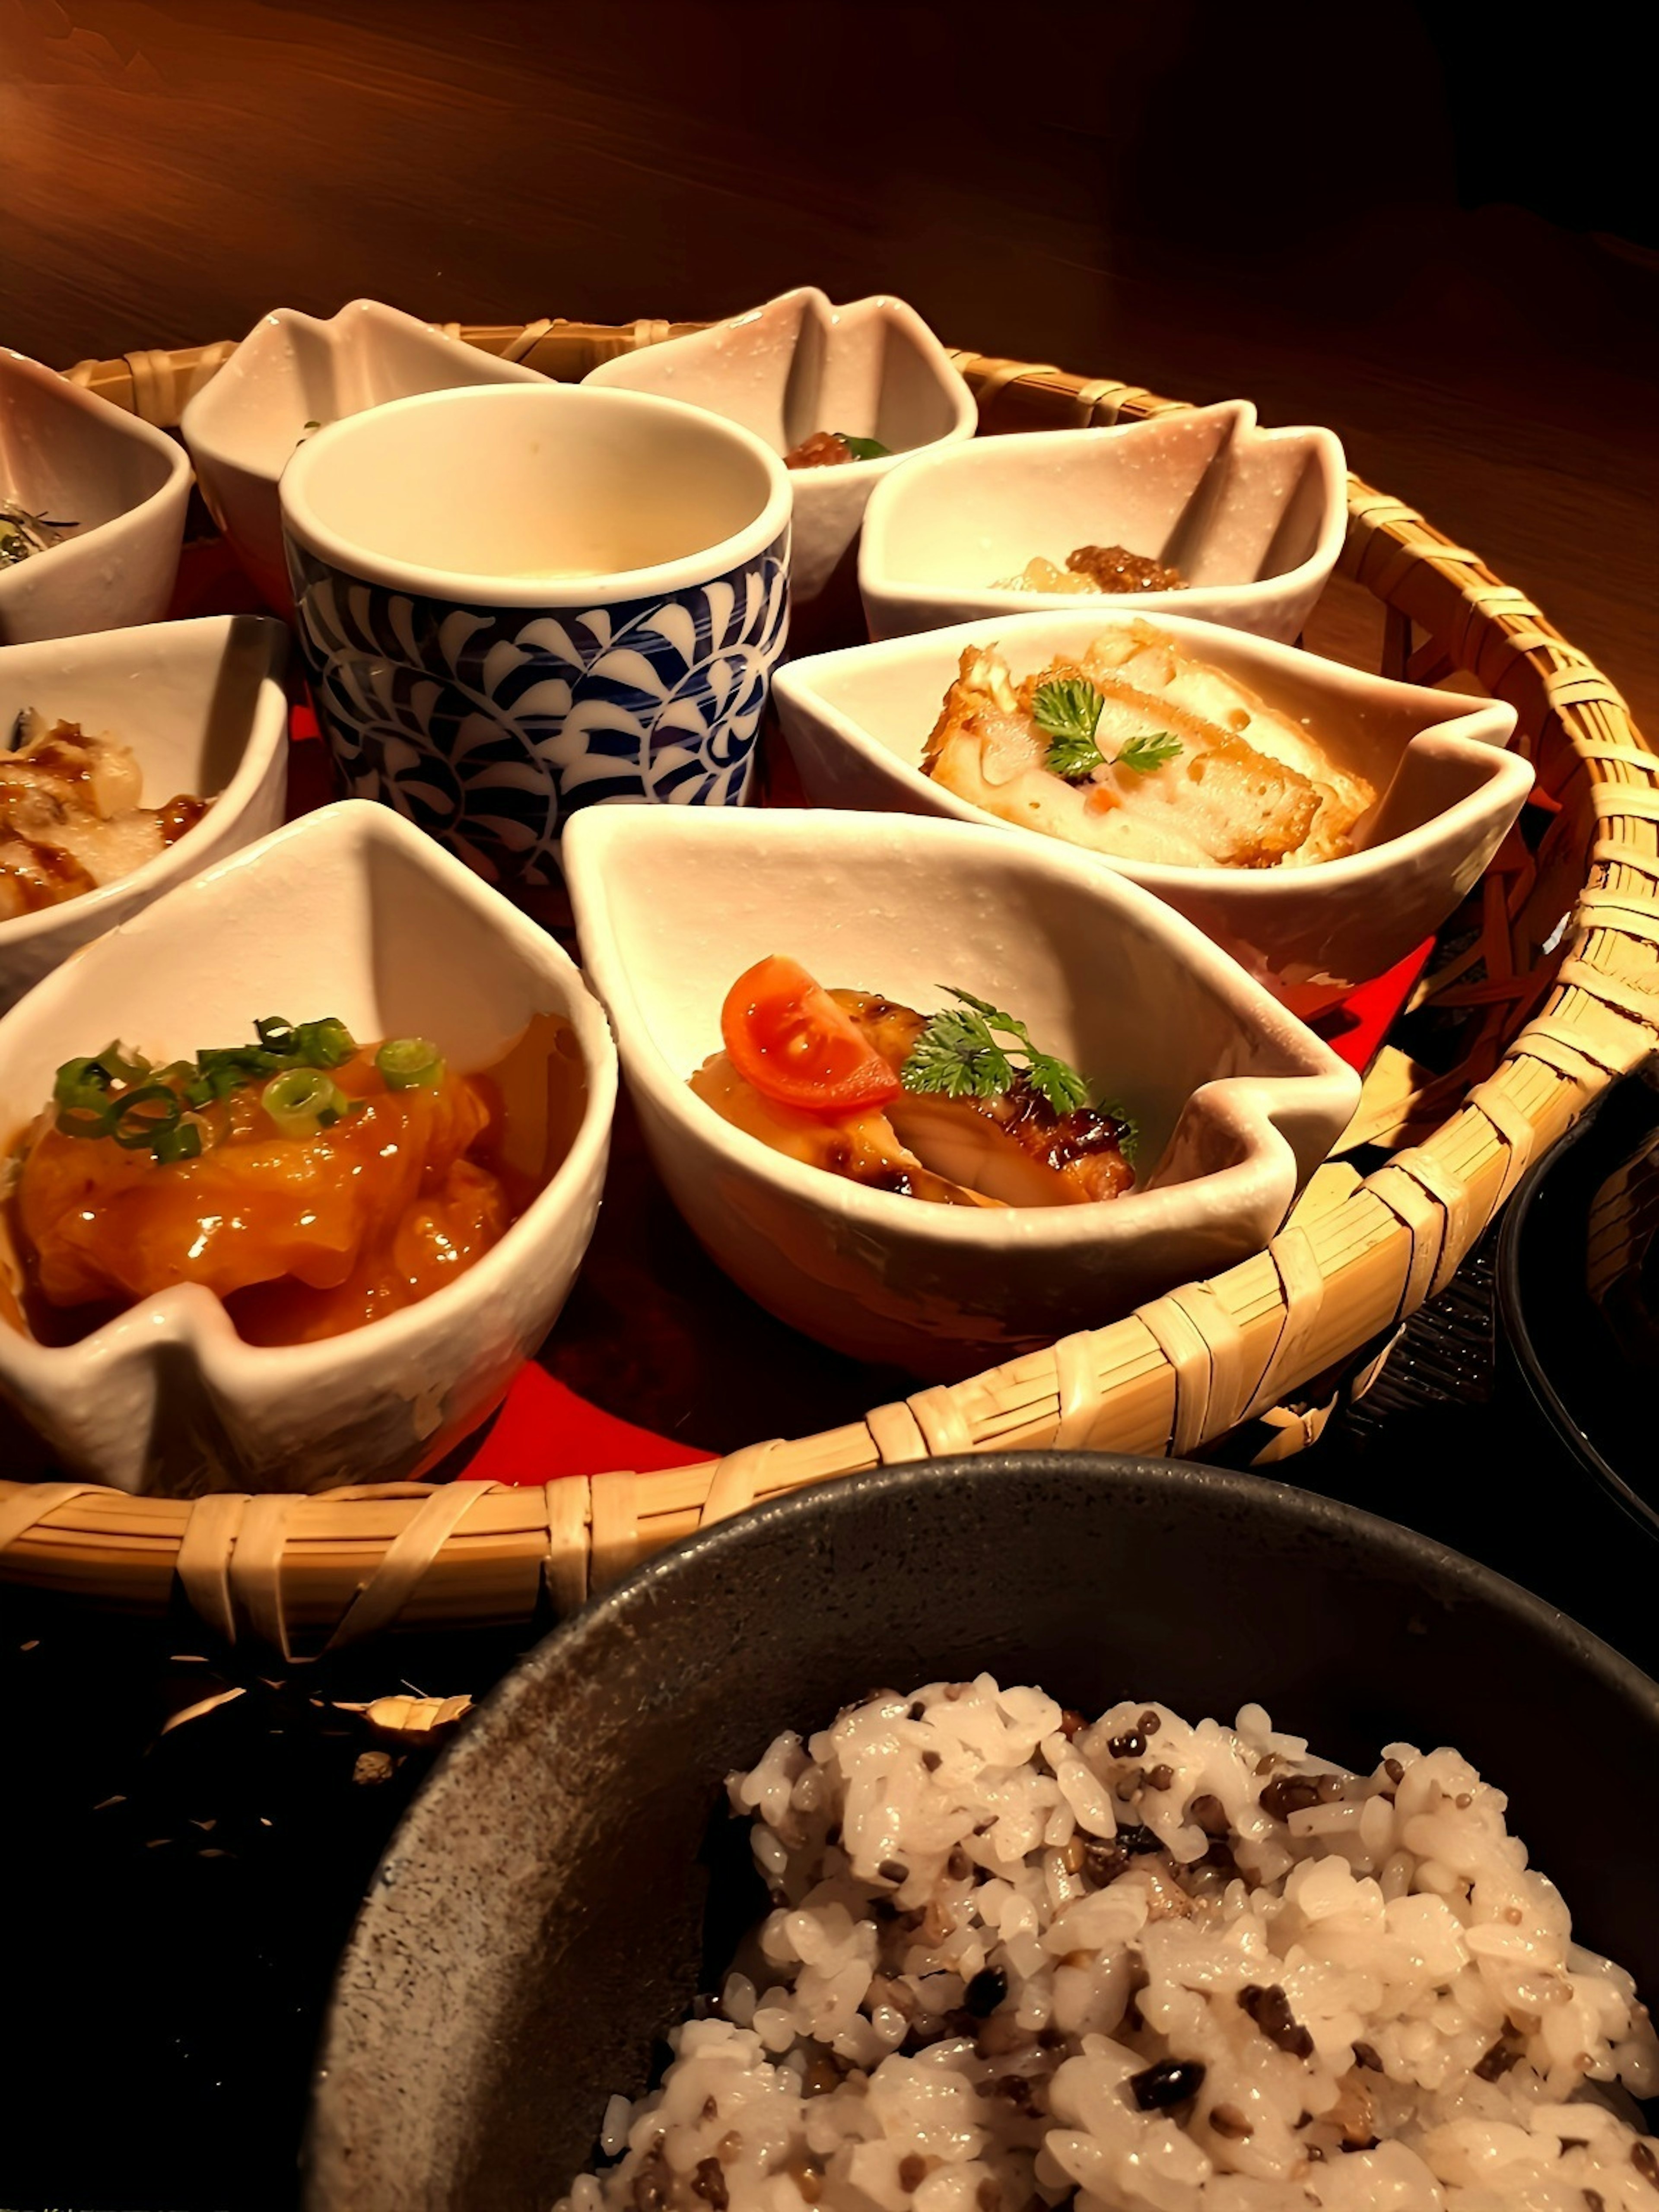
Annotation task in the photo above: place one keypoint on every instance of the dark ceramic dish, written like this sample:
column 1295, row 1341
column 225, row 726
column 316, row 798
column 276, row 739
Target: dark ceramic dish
column 569, row 1879
column 1589, row 1366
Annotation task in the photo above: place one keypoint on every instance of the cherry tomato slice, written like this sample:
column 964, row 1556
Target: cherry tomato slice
column 789, row 1038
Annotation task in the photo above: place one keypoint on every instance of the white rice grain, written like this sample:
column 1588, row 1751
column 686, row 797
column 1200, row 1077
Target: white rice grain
column 1017, row 1961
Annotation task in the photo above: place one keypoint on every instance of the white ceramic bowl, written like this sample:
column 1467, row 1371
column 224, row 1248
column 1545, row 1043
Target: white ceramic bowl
column 516, row 604
column 873, row 370
column 1238, row 1103
column 292, row 370
column 203, row 707
column 74, row 458
column 857, row 722
column 350, row 912
column 1254, row 519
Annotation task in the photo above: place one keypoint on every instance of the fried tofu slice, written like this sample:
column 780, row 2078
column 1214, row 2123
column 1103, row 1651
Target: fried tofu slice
column 1249, row 788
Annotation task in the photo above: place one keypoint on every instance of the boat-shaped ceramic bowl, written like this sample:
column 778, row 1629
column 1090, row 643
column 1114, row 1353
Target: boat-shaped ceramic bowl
column 348, row 912
column 871, row 369
column 1254, row 521
column 1236, row 1101
column 202, row 707
column 293, row 374
column 857, row 721
column 116, row 486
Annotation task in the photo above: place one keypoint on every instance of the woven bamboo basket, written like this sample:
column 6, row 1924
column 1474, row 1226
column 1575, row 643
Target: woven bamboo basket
column 1532, row 1018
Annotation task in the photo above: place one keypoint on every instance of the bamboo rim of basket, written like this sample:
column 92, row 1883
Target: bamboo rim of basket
column 299, row 1574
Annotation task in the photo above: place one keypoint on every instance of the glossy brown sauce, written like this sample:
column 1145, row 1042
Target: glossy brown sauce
column 1114, row 568
column 316, row 1251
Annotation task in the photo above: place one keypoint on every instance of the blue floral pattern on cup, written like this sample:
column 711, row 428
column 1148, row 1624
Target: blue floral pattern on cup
column 490, row 726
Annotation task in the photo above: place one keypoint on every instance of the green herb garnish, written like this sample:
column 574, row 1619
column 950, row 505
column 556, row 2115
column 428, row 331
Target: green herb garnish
column 120, row 1095
column 409, row 1064
column 863, row 449
column 957, row 1054
column 1128, row 1137
column 22, row 533
column 1067, row 712
column 1154, row 749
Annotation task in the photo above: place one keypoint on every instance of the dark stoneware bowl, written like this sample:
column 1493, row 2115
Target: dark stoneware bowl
column 1586, row 1371
column 569, row 1879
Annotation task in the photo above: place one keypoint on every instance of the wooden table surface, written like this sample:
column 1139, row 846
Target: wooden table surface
column 1166, row 197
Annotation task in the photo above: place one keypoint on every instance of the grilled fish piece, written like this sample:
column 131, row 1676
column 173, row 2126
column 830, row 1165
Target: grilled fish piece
column 1013, row 1147
column 864, row 1147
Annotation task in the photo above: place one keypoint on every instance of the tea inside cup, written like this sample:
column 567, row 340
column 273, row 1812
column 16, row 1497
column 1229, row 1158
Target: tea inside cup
column 517, row 600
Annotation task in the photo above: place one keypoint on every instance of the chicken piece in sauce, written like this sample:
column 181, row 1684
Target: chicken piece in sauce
column 301, row 1236
column 70, row 818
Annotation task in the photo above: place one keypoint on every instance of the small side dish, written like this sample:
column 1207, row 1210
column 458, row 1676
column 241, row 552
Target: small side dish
column 312, row 1182
column 825, row 386
column 317, row 1250
column 1107, row 569
column 129, row 762
column 1017, row 1957
column 70, row 816
column 1400, row 793
column 1243, row 523
column 930, row 1108
column 92, row 508
column 291, row 377
column 926, row 1176
column 1144, row 750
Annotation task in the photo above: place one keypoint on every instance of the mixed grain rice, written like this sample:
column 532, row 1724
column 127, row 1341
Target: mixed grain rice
column 1019, row 1960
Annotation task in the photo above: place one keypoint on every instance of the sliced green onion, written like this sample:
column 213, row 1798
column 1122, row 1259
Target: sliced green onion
column 326, row 1043
column 121, row 1068
column 225, row 1069
column 142, row 1115
column 181, row 1142
column 85, row 1120
column 275, row 1033
column 409, row 1064
column 302, row 1100
column 82, row 1086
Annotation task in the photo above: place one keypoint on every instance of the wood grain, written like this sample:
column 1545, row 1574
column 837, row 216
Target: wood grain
column 1170, row 196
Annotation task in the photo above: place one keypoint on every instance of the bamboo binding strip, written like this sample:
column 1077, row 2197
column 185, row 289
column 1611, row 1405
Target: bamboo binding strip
column 1553, row 1015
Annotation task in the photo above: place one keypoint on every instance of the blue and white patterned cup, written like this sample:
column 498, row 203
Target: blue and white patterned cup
column 515, row 601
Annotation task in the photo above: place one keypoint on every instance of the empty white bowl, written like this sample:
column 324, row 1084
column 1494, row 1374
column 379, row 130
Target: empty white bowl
column 857, row 723
column 73, row 458
column 201, row 705
column 871, row 369
column 294, row 370
column 1236, row 1101
column 1254, row 519
column 350, row 912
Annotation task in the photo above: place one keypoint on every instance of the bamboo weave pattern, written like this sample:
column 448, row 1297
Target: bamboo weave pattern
column 1545, row 1018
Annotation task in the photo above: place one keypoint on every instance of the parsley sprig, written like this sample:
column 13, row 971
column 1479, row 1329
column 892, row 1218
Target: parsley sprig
column 1067, row 712
column 957, row 1054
